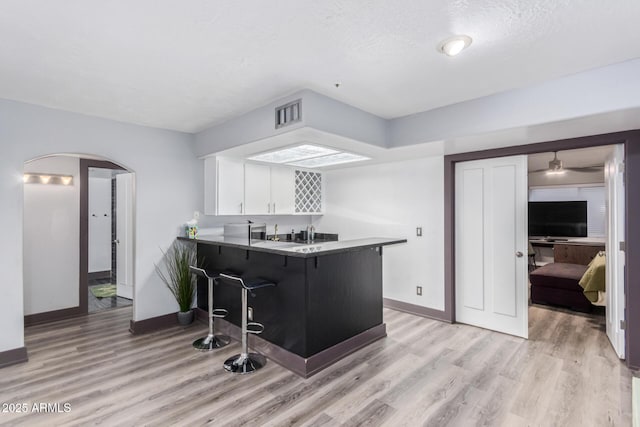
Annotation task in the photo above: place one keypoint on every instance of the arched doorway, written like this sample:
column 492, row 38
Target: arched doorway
column 60, row 235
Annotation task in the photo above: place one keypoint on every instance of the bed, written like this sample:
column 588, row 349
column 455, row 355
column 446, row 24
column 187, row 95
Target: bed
column 575, row 286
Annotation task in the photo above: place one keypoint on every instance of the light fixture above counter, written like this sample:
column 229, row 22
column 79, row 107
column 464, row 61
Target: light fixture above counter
column 307, row 156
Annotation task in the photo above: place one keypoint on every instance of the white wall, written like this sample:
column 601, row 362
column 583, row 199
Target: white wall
column 51, row 234
column 99, row 223
column 391, row 200
column 168, row 188
column 588, row 94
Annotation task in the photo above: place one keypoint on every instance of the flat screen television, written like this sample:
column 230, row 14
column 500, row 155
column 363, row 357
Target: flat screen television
column 558, row 219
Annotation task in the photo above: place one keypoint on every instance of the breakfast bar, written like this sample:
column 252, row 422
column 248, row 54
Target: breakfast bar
column 327, row 302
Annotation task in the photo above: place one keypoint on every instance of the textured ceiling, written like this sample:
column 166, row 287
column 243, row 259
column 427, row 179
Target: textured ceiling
column 185, row 65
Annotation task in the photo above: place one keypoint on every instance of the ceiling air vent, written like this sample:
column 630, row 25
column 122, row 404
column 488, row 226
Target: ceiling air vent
column 288, row 113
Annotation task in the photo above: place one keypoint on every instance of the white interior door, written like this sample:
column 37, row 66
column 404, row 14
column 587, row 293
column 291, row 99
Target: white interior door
column 124, row 235
column 491, row 244
column 614, row 182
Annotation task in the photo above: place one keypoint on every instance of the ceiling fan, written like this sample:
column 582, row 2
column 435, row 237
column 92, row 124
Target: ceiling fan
column 556, row 167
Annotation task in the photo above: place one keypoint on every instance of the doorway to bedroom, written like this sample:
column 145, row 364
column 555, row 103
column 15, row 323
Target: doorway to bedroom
column 575, row 226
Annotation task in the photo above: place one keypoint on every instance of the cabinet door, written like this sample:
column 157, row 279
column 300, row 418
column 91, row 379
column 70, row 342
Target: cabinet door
column 210, row 186
column 230, row 186
column 257, row 189
column 282, row 190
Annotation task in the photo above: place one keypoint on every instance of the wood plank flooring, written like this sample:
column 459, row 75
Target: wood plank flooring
column 424, row 373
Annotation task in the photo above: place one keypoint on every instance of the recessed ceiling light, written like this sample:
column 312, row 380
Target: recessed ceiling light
column 454, row 45
column 292, row 154
column 333, row 159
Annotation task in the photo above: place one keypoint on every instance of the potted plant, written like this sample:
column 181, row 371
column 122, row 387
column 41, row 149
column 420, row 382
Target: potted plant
column 179, row 279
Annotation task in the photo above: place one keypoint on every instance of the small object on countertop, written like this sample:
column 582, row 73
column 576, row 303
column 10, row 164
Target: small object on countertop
column 293, row 235
column 312, row 233
column 191, row 229
column 275, row 237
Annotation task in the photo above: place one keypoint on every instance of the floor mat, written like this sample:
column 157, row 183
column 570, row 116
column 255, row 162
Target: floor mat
column 103, row 291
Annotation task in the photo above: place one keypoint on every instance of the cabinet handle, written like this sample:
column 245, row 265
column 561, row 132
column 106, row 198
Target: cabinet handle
column 274, row 207
column 268, row 207
column 241, row 207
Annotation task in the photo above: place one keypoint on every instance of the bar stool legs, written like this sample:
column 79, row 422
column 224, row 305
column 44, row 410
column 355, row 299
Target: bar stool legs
column 245, row 362
column 211, row 342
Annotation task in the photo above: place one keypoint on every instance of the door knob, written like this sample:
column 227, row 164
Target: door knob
column 117, row 241
column 519, row 254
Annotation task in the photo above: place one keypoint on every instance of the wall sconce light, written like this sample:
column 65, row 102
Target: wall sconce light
column 52, row 179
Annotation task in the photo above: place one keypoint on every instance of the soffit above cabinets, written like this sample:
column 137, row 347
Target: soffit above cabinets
column 343, row 146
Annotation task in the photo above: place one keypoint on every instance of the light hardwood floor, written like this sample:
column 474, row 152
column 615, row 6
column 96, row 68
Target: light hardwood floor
column 424, row 373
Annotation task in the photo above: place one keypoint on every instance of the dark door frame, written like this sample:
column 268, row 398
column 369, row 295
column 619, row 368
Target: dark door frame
column 83, row 283
column 631, row 141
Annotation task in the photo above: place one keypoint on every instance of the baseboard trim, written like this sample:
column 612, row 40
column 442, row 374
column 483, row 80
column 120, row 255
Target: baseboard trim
column 418, row 310
column 304, row 367
column 138, row 327
column 13, row 357
column 99, row 275
column 51, row 316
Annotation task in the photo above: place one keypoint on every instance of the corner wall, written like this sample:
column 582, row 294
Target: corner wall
column 391, row 200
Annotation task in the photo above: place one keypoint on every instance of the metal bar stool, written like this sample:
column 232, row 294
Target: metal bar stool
column 210, row 342
column 245, row 362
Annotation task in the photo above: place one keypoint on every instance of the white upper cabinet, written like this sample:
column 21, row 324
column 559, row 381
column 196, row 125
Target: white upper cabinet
column 282, row 190
column 233, row 187
column 257, row 189
column 223, row 186
column 268, row 190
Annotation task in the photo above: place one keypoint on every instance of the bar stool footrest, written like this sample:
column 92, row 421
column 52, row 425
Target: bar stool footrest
column 219, row 312
column 255, row 328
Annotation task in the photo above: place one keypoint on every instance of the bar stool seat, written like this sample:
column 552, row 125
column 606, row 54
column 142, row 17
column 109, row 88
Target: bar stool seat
column 245, row 362
column 211, row 341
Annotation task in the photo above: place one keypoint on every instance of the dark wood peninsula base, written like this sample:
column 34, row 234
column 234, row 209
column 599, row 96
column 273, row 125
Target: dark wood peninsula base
column 325, row 306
